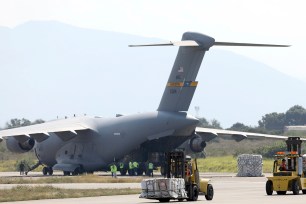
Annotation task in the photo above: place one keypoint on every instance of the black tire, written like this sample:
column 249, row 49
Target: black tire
column 123, row 172
column 194, row 194
column 210, row 192
column 304, row 191
column 76, row 171
column 45, row 171
column 295, row 187
column 281, row 192
column 269, row 187
column 140, row 172
column 66, row 173
column 50, row 172
column 131, row 172
column 164, row 200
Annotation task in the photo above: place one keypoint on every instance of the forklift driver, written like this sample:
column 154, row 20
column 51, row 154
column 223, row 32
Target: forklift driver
column 283, row 165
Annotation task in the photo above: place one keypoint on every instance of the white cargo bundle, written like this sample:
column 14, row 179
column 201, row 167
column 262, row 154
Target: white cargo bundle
column 249, row 165
column 163, row 188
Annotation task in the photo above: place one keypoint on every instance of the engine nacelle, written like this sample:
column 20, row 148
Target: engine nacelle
column 19, row 147
column 197, row 144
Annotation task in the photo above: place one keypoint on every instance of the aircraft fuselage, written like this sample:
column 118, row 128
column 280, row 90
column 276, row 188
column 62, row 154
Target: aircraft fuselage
column 111, row 139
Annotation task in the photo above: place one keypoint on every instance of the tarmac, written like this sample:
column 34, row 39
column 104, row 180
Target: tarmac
column 228, row 189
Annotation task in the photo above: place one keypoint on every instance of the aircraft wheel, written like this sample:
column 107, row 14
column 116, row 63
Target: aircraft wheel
column 50, row 172
column 304, row 191
column 281, row 192
column 76, row 171
column 123, row 172
column 295, row 188
column 210, row 192
column 45, row 171
column 140, row 172
column 66, row 173
column 164, row 200
column 269, row 187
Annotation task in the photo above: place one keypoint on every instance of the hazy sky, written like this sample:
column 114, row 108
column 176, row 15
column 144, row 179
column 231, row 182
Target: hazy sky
column 260, row 21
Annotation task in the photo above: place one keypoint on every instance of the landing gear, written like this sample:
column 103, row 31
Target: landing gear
column 123, row 172
column 77, row 171
column 47, row 170
column 66, row 173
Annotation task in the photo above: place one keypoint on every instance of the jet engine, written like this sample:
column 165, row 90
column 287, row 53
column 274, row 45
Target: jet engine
column 16, row 146
column 197, row 144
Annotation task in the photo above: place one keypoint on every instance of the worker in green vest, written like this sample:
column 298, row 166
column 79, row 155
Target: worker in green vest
column 150, row 169
column 136, row 166
column 113, row 169
column 121, row 167
column 131, row 169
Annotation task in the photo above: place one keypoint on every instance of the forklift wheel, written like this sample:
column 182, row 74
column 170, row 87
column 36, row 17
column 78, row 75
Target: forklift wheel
column 195, row 193
column 210, row 192
column 269, row 187
column 295, row 187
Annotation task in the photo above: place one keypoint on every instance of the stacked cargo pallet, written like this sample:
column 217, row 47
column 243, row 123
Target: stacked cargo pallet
column 163, row 188
column 249, row 165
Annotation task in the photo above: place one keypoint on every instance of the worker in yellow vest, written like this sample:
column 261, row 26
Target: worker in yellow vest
column 113, row 169
column 150, row 169
column 136, row 166
column 131, row 169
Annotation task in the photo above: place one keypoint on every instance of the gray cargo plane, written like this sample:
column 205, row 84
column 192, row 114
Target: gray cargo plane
column 87, row 144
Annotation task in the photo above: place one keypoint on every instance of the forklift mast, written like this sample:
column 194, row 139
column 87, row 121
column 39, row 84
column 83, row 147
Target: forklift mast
column 175, row 164
column 294, row 145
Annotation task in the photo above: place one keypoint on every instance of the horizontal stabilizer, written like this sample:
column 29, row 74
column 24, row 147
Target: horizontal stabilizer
column 248, row 44
column 187, row 43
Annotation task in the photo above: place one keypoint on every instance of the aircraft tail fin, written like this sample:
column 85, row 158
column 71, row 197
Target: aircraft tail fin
column 181, row 84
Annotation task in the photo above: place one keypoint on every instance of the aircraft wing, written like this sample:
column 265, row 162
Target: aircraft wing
column 208, row 134
column 65, row 129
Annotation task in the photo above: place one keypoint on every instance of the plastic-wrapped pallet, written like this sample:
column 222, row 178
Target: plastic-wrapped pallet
column 163, row 188
column 249, row 165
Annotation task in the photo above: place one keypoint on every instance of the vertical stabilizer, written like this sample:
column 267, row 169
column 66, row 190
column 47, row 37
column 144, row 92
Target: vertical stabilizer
column 181, row 84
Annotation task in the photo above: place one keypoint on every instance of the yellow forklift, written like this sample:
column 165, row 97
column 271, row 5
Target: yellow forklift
column 179, row 166
column 289, row 170
column 182, row 181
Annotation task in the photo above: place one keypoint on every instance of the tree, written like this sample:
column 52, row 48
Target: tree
column 13, row 123
column 273, row 121
column 203, row 122
column 215, row 124
column 296, row 115
column 239, row 127
column 212, row 124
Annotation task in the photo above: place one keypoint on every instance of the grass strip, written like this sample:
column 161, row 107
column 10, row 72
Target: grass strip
column 227, row 164
column 68, row 179
column 22, row 193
